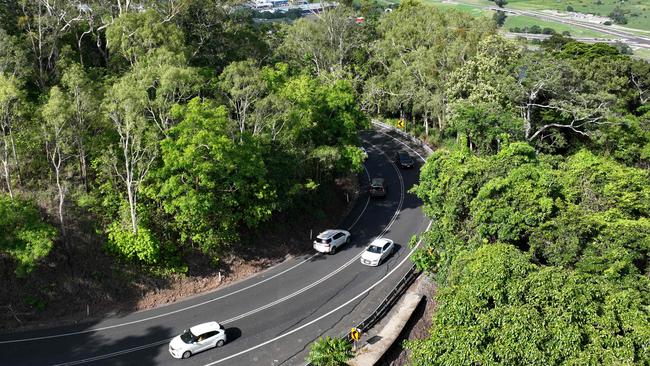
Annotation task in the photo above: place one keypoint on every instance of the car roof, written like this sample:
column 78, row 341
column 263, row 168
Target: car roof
column 402, row 154
column 381, row 242
column 327, row 233
column 377, row 181
column 204, row 328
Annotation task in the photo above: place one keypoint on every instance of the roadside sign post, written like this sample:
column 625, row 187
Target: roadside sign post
column 354, row 335
column 401, row 124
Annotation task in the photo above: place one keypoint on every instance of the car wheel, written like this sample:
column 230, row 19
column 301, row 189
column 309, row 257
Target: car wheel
column 347, row 240
column 333, row 250
column 220, row 343
column 187, row 354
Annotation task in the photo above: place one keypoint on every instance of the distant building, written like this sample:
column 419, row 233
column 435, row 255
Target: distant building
column 261, row 5
column 279, row 3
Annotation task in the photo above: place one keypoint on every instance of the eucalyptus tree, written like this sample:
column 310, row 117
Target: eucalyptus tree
column 137, row 147
column 84, row 99
column 325, row 44
column 555, row 101
column 168, row 80
column 418, row 47
column 14, row 59
column 218, row 32
column 243, row 87
column 11, row 102
column 58, row 132
column 45, row 23
column 138, row 103
column 135, row 35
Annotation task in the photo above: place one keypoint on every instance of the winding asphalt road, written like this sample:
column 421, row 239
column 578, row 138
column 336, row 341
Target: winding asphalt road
column 271, row 318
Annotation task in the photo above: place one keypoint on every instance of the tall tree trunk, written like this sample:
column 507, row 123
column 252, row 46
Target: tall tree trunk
column 426, row 124
column 83, row 167
column 131, row 195
column 7, row 178
column 5, row 164
column 15, row 156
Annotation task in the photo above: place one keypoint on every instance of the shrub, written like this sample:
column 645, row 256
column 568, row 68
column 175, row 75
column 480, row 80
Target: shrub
column 141, row 246
column 330, row 352
column 24, row 236
column 548, row 31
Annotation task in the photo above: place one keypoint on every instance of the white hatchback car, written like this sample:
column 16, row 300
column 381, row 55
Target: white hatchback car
column 196, row 339
column 329, row 241
column 377, row 252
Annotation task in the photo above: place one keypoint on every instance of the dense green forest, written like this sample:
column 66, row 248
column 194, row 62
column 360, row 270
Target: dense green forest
column 540, row 200
column 171, row 124
column 178, row 125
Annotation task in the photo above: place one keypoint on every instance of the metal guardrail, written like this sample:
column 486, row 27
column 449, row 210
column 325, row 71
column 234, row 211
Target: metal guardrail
column 405, row 135
column 388, row 302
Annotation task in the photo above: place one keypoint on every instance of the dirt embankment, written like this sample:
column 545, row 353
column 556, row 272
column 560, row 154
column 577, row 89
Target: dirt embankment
column 83, row 284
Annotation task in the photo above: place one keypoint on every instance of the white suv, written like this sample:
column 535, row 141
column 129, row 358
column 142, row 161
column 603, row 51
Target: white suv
column 329, row 241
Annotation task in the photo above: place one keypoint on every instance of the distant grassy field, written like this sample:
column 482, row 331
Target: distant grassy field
column 637, row 11
column 461, row 7
column 522, row 21
column 642, row 53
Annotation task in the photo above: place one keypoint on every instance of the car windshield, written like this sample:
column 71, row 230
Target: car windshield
column 404, row 157
column 374, row 249
column 188, row 337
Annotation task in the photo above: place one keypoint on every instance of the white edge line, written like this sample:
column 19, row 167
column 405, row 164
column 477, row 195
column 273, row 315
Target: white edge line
column 60, row 335
column 324, row 315
column 347, row 264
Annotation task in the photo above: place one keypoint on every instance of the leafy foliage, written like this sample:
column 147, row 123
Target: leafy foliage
column 497, row 307
column 330, row 352
column 25, row 237
column 141, row 246
column 208, row 183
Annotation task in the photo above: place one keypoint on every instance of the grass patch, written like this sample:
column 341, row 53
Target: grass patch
column 465, row 8
column 522, row 21
column 642, row 53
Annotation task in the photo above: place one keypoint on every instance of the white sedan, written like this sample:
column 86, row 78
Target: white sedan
column 196, row 339
column 329, row 241
column 377, row 252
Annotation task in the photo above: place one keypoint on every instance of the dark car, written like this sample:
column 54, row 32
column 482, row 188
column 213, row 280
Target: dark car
column 377, row 187
column 404, row 160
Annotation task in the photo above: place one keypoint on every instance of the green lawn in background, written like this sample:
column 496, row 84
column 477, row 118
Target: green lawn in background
column 473, row 10
column 637, row 11
column 522, row 21
column 642, row 53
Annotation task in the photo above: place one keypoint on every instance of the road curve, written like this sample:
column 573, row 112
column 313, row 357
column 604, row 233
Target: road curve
column 270, row 318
